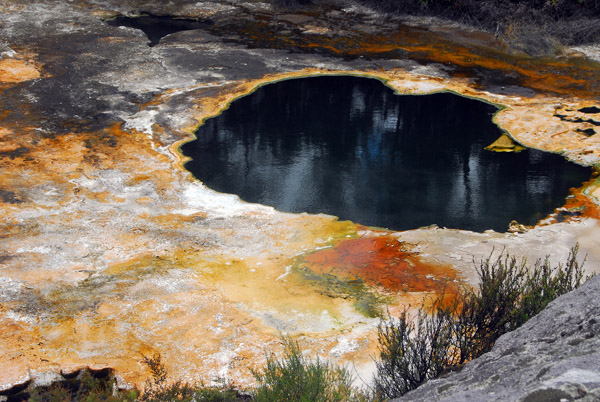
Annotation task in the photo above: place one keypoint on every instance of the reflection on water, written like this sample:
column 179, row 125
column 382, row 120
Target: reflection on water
column 350, row 147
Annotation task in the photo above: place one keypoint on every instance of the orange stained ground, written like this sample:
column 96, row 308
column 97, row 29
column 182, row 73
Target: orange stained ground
column 565, row 76
column 481, row 60
column 581, row 202
column 382, row 261
column 14, row 70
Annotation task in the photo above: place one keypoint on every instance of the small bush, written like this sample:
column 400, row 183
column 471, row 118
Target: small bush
column 411, row 352
column 158, row 389
column 297, row 379
column 536, row 27
column 509, row 294
column 447, row 335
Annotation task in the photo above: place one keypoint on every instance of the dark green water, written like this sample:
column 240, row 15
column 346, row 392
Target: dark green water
column 350, row 147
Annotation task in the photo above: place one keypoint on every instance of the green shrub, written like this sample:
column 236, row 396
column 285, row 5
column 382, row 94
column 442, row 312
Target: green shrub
column 509, row 294
column 447, row 335
column 297, row 379
column 411, row 352
column 158, row 389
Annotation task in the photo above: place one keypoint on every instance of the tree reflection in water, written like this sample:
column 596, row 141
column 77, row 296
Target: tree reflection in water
column 350, row 147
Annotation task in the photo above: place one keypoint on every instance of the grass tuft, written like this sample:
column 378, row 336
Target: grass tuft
column 296, row 378
column 158, row 389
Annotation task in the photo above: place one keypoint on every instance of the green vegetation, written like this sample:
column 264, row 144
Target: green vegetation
column 296, row 378
column 476, row 10
column 449, row 334
column 158, row 389
column 366, row 301
column 536, row 27
column 413, row 350
column 90, row 387
column 87, row 387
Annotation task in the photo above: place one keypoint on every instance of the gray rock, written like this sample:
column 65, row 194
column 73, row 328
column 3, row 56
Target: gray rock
column 555, row 356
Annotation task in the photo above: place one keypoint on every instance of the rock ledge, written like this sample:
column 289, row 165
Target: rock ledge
column 554, row 357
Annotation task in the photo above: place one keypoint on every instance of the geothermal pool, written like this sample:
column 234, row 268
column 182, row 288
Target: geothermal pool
column 350, row 147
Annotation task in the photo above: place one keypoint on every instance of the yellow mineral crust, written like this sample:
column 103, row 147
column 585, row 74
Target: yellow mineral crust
column 504, row 144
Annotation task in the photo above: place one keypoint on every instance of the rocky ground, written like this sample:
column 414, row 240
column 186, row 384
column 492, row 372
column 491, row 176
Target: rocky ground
column 110, row 250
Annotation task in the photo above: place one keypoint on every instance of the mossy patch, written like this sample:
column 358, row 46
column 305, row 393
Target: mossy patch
column 365, row 300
